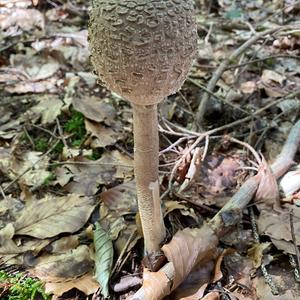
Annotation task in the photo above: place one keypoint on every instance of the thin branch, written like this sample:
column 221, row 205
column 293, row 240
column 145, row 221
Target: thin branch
column 218, row 73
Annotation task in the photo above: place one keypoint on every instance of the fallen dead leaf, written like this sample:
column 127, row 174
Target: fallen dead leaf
column 95, row 109
column 276, row 225
column 186, row 250
column 86, row 283
column 48, row 108
column 52, row 215
column 103, row 136
column 267, row 193
column 65, row 266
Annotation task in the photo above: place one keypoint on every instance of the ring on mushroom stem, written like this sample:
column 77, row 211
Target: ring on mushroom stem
column 143, row 50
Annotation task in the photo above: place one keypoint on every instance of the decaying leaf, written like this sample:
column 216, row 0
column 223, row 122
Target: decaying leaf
column 256, row 253
column 102, row 136
column 63, row 244
column 116, row 203
column 65, row 266
column 48, row 108
column 103, row 258
column 31, row 165
column 87, row 175
column 86, row 283
column 276, row 224
column 52, row 215
column 95, row 109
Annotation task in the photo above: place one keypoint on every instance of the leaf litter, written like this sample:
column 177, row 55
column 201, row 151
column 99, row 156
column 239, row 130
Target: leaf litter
column 52, row 197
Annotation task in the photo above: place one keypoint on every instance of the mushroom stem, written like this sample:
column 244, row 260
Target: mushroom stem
column 146, row 143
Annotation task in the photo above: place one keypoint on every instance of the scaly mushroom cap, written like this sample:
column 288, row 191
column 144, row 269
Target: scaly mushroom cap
column 142, row 49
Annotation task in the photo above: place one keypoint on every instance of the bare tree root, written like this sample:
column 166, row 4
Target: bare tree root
column 170, row 276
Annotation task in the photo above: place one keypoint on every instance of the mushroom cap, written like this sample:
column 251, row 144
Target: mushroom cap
column 143, row 49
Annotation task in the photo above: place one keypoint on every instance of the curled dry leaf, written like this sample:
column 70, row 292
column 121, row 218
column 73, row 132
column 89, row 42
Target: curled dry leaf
column 267, row 192
column 186, row 250
column 248, row 87
column 193, row 169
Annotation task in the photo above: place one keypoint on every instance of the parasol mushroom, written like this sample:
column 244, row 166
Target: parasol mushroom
column 143, row 50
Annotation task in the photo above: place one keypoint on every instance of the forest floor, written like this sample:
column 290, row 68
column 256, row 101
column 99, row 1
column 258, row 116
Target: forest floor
column 66, row 155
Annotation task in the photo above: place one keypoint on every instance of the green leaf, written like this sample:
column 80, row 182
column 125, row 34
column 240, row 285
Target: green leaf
column 103, row 258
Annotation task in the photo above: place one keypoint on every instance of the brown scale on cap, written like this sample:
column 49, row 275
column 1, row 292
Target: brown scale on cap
column 143, row 49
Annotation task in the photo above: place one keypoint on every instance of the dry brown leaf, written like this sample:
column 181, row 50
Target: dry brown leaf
column 43, row 86
column 48, row 109
column 52, row 215
column 116, row 203
column 63, row 244
column 289, row 290
column 103, row 136
column 13, row 165
column 86, row 283
column 95, row 109
column 196, row 282
column 267, row 192
column 218, row 272
column 7, row 245
column 64, row 266
column 276, row 224
column 88, row 174
column 196, row 296
column 241, row 269
column 219, row 175
column 269, row 76
column 186, row 250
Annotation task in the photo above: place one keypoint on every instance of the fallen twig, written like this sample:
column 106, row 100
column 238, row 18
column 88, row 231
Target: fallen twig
column 224, row 65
